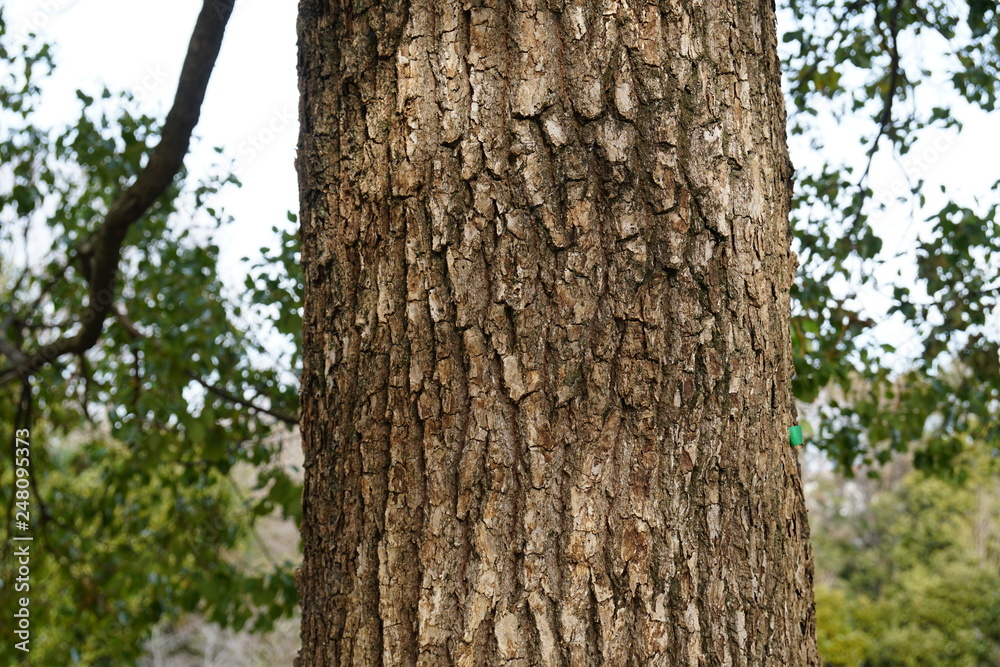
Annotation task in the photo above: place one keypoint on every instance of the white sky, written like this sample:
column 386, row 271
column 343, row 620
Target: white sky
column 251, row 110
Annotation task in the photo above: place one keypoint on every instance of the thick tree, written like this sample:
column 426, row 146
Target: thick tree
column 546, row 351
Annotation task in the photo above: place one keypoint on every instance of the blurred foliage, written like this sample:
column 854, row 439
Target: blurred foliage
column 897, row 72
column 908, row 573
column 136, row 509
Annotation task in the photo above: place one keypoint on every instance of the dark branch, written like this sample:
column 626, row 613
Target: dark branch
column 895, row 74
column 897, row 79
column 104, row 247
column 233, row 398
column 133, row 331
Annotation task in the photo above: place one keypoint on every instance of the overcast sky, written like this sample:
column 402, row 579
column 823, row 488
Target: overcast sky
column 251, row 107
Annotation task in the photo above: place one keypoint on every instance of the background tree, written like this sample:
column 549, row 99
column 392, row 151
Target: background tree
column 136, row 514
column 896, row 69
column 546, row 384
column 908, row 573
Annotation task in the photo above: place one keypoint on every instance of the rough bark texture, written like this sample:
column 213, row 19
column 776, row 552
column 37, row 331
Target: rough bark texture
column 547, row 377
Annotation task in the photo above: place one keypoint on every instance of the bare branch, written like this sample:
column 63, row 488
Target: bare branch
column 233, row 398
column 133, row 331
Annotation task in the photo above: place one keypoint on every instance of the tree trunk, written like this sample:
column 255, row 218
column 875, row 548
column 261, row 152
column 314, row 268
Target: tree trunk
column 547, row 368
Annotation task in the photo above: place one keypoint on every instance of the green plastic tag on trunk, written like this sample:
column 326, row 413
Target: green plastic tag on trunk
column 795, row 435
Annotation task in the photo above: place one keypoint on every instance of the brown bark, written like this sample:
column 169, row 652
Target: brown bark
column 546, row 390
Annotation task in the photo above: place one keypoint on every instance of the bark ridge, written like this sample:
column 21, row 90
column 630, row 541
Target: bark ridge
column 547, row 368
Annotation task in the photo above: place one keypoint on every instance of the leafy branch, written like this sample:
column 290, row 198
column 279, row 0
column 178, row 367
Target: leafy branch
column 100, row 254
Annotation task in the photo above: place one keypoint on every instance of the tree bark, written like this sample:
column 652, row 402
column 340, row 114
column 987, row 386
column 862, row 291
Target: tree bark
column 547, row 367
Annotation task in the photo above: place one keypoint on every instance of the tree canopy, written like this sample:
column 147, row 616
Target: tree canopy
column 895, row 69
column 909, row 573
column 137, row 509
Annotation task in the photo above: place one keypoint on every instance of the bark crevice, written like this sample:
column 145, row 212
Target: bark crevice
column 547, row 269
